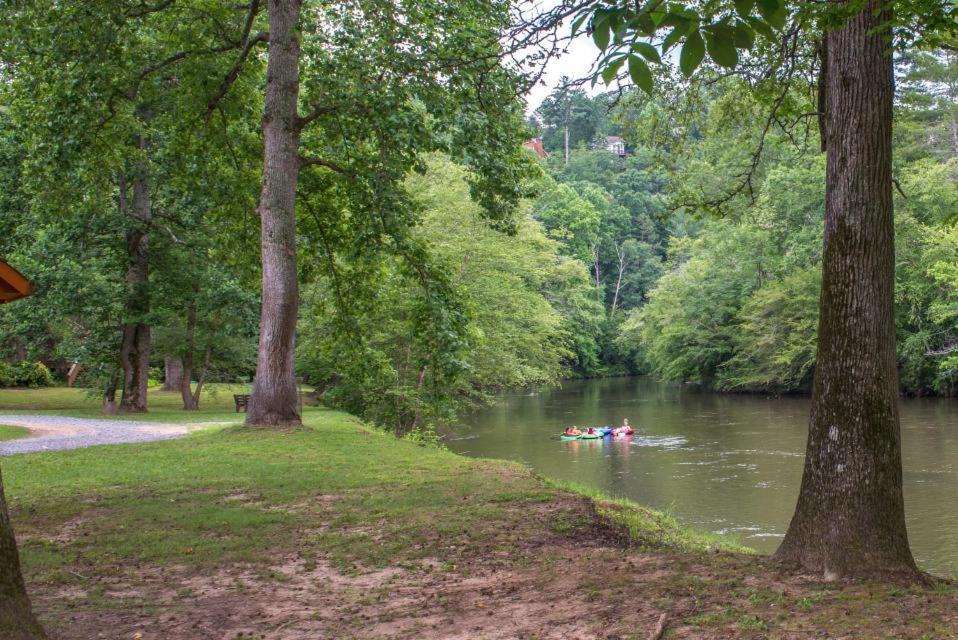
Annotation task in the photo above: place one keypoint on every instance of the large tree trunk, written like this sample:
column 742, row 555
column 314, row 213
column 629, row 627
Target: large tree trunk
column 172, row 374
column 109, row 395
column 274, row 397
column 135, row 348
column 16, row 617
column 850, row 517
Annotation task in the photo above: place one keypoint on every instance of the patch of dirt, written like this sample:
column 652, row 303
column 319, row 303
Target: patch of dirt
column 561, row 579
column 177, row 429
column 38, row 430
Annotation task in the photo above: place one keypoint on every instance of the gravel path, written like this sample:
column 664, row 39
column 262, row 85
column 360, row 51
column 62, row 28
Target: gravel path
column 62, row 432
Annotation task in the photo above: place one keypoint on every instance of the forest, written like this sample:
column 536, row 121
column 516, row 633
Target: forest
column 612, row 265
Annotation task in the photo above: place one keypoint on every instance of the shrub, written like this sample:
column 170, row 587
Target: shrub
column 25, row 374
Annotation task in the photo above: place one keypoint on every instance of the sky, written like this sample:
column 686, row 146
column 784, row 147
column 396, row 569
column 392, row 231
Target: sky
column 582, row 52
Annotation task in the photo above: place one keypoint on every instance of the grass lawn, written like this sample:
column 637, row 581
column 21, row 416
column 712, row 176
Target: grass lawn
column 340, row 531
column 216, row 404
column 12, row 433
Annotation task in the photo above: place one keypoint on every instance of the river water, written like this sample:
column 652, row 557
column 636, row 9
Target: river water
column 718, row 462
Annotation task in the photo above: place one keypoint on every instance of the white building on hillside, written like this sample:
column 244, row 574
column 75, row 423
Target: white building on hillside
column 615, row 145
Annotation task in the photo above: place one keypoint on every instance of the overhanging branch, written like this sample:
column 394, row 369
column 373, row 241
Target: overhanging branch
column 329, row 164
column 317, row 112
column 233, row 73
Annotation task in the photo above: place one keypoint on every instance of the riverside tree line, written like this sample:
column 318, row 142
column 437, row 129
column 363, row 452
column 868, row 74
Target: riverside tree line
column 168, row 165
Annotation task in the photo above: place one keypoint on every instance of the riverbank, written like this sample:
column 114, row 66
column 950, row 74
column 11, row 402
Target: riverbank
column 340, row 531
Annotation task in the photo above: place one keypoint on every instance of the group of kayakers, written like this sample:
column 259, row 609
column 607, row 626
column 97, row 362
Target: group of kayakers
column 624, row 430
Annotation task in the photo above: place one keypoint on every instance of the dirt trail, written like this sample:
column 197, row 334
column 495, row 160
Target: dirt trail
column 549, row 587
column 61, row 432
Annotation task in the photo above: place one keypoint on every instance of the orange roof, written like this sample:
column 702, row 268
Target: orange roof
column 536, row 145
column 12, row 284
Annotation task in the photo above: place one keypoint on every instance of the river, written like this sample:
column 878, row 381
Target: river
column 722, row 463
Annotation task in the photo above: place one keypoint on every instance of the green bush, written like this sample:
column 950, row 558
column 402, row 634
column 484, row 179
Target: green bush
column 25, row 374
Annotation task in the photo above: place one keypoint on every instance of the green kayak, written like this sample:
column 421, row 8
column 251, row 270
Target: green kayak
column 568, row 438
column 590, row 436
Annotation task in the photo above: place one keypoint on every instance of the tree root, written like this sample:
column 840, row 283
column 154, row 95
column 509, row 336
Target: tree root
column 660, row 627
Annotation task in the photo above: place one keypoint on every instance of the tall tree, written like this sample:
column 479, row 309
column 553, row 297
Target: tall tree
column 379, row 83
column 850, row 517
column 275, row 397
column 17, row 621
column 136, row 77
column 136, row 342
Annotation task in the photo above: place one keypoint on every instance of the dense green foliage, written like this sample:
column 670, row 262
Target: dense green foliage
column 169, row 101
column 609, row 213
column 737, row 308
column 25, row 374
column 415, row 303
column 369, row 338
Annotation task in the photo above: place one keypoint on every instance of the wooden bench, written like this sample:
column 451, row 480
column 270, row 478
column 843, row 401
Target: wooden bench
column 242, row 401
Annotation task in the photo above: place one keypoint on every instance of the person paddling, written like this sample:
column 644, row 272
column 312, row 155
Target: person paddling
column 572, row 431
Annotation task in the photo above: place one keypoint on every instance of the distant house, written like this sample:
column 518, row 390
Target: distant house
column 615, row 145
column 536, row 145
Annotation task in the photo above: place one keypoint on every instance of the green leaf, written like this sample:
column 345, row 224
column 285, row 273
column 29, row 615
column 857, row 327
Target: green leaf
column 640, row 73
column 616, row 23
column 675, row 20
column 744, row 36
column 577, row 23
column 645, row 24
column 601, row 32
column 673, row 38
column 693, row 51
column 773, row 11
column 648, row 52
column 612, row 70
column 762, row 28
column 721, row 48
column 744, row 7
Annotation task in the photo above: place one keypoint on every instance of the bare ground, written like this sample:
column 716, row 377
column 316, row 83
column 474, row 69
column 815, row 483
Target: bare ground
column 549, row 581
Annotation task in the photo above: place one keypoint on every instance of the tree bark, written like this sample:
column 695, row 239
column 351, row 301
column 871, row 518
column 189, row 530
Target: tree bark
column 191, row 398
column 850, row 517
column 135, row 347
column 274, row 398
column 190, row 402
column 172, row 374
column 16, row 617
column 201, row 376
column 109, row 396
column 19, row 350
column 595, row 270
column 620, row 254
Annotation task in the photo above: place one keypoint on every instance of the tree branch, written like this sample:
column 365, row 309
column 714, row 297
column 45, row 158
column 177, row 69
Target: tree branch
column 312, row 115
column 305, row 162
column 146, row 9
column 898, row 186
column 944, row 351
column 233, row 73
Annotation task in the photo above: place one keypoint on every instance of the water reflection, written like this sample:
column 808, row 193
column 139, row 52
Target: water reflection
column 723, row 463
